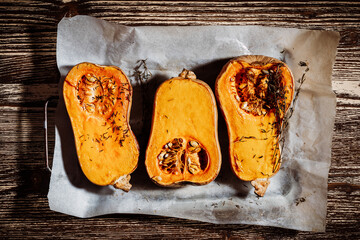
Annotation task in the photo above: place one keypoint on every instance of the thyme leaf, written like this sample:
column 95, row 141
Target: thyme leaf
column 142, row 75
column 289, row 114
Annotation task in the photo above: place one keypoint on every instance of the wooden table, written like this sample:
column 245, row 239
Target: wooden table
column 29, row 75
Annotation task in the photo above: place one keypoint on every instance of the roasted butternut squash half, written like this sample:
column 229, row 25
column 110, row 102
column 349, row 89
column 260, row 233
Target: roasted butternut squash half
column 98, row 100
column 254, row 93
column 183, row 144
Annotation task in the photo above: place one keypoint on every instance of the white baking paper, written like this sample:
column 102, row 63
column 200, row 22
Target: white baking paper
column 297, row 195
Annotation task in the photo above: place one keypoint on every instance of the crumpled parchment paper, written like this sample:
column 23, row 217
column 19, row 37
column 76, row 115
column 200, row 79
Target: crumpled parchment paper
column 297, row 195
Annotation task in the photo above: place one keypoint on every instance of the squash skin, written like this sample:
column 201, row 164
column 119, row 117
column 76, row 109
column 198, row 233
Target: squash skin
column 253, row 138
column 177, row 115
column 98, row 100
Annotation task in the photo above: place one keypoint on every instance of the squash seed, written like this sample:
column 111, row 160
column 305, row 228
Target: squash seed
column 194, row 143
column 264, row 71
column 243, row 85
column 90, row 79
column 193, row 167
column 171, row 159
column 244, row 105
column 161, row 155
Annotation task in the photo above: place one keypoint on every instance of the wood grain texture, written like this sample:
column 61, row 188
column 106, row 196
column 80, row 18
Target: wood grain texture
column 29, row 75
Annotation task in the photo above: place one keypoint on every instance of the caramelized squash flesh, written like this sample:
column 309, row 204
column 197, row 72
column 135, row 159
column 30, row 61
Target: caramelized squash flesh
column 183, row 145
column 98, row 101
column 255, row 93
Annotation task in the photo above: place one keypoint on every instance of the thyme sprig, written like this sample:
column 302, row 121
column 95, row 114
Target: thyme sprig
column 142, row 75
column 290, row 112
column 141, row 72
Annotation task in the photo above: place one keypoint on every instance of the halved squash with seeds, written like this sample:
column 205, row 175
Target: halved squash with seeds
column 98, row 100
column 254, row 93
column 183, row 145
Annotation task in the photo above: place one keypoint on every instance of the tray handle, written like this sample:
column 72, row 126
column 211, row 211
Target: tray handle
column 50, row 99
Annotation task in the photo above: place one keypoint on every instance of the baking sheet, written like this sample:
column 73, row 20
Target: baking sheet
column 297, row 195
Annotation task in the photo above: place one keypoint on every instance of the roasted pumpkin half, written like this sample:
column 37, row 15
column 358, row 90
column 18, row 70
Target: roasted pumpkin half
column 98, row 100
column 183, row 144
column 254, row 93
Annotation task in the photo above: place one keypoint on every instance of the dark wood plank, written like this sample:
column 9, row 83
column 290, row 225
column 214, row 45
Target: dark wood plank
column 28, row 69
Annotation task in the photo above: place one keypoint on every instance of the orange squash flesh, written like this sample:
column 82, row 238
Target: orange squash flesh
column 183, row 145
column 255, row 93
column 98, row 101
